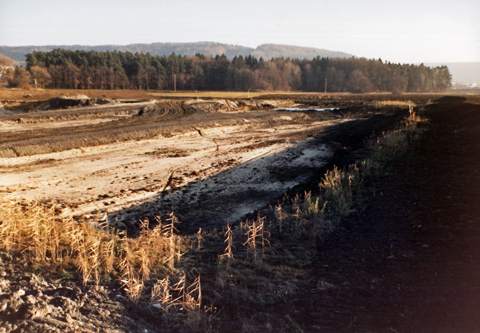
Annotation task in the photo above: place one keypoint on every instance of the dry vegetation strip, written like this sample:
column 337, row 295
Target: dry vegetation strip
column 16, row 94
column 221, row 94
column 155, row 256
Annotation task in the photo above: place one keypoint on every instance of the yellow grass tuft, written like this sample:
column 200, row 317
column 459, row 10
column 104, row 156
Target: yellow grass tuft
column 47, row 239
column 394, row 103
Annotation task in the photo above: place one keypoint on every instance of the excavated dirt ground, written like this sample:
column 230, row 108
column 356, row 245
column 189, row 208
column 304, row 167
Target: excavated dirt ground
column 408, row 263
column 209, row 162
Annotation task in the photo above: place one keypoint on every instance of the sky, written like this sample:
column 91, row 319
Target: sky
column 407, row 31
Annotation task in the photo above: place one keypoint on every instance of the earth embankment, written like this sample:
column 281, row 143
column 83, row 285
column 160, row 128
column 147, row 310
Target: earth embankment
column 409, row 262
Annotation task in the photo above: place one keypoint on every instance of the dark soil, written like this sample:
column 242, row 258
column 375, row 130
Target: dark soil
column 411, row 261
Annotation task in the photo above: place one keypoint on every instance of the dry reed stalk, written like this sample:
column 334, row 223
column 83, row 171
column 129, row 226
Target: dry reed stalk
column 256, row 230
column 169, row 231
column 134, row 287
column 228, row 253
column 95, row 258
column 190, row 301
column 132, row 280
column 143, row 250
column 193, row 296
column 145, row 266
column 161, row 293
column 251, row 242
column 199, row 238
column 180, row 297
column 229, row 241
column 108, row 253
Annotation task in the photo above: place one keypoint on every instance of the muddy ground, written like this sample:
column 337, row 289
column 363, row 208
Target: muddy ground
column 408, row 263
column 210, row 162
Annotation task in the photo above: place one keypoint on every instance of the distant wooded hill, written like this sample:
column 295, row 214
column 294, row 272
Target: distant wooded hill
column 266, row 51
column 62, row 68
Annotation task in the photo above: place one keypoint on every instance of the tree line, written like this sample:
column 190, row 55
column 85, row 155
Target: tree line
column 124, row 70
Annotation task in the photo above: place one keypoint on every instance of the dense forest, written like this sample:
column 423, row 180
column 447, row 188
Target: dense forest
column 125, row 70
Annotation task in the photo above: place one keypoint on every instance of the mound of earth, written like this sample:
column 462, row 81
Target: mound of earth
column 225, row 105
column 64, row 102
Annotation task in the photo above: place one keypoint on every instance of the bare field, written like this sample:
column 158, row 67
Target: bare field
column 209, row 161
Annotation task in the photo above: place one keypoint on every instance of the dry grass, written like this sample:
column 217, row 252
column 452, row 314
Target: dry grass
column 395, row 143
column 342, row 190
column 228, row 253
column 394, row 103
column 337, row 186
column 226, row 94
column 17, row 94
column 102, row 254
column 271, row 263
column 98, row 253
column 257, row 237
column 38, row 231
column 209, row 94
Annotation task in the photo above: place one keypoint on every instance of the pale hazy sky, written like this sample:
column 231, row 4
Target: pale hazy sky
column 408, row 31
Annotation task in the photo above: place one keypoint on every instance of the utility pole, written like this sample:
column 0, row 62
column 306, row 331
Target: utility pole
column 325, row 85
column 174, row 82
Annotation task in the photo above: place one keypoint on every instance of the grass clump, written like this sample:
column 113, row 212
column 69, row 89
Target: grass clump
column 341, row 191
column 98, row 253
column 36, row 233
